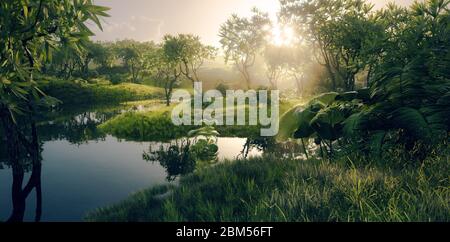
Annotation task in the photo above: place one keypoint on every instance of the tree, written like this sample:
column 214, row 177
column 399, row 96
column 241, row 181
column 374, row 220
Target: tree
column 29, row 32
column 131, row 54
column 299, row 64
column 242, row 40
column 90, row 53
column 103, row 54
column 406, row 105
column 165, row 64
column 276, row 59
column 193, row 55
column 65, row 60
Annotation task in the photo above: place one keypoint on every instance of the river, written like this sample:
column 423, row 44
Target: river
column 83, row 170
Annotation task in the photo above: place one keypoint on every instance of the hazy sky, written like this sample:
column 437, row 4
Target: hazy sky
column 145, row 20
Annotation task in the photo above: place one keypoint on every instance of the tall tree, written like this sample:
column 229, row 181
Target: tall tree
column 103, row 54
column 29, row 31
column 193, row 55
column 131, row 54
column 299, row 65
column 276, row 59
column 243, row 39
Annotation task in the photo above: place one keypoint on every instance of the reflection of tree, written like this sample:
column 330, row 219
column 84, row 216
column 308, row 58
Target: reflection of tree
column 174, row 157
column 260, row 143
column 76, row 129
column 19, row 194
column 22, row 157
column 183, row 156
column 269, row 145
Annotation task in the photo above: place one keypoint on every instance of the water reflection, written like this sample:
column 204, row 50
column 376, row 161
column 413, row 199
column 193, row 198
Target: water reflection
column 85, row 169
column 174, row 157
column 21, row 152
column 20, row 193
column 23, row 157
column 269, row 146
column 76, row 129
column 184, row 156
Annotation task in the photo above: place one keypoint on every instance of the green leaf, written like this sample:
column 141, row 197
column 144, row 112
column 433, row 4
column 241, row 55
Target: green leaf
column 326, row 98
column 289, row 123
column 352, row 125
column 413, row 122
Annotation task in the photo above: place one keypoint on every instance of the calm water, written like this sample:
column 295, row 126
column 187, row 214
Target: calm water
column 83, row 170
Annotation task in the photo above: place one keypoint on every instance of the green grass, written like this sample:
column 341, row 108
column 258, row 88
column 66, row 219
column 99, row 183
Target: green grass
column 273, row 189
column 81, row 93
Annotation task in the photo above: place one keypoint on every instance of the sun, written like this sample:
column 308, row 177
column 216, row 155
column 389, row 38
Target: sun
column 282, row 35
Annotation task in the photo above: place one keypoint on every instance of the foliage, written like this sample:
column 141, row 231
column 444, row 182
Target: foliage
column 157, row 125
column 405, row 103
column 276, row 59
column 151, row 126
column 345, row 35
column 30, row 31
column 243, row 38
column 191, row 52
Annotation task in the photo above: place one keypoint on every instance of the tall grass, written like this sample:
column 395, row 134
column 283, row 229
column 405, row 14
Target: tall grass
column 273, row 189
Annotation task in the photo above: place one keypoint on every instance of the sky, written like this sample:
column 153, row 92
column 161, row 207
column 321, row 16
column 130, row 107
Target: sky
column 150, row 20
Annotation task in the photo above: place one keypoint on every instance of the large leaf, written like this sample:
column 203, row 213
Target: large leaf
column 413, row 122
column 304, row 129
column 325, row 99
column 352, row 125
column 289, row 123
column 347, row 96
column 328, row 123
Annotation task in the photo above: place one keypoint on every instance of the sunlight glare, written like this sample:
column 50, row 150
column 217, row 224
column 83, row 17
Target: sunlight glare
column 282, row 35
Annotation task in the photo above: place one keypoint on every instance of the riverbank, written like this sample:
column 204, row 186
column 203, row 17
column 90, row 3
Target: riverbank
column 276, row 189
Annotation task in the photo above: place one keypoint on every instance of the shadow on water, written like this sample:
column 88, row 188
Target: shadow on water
column 76, row 127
